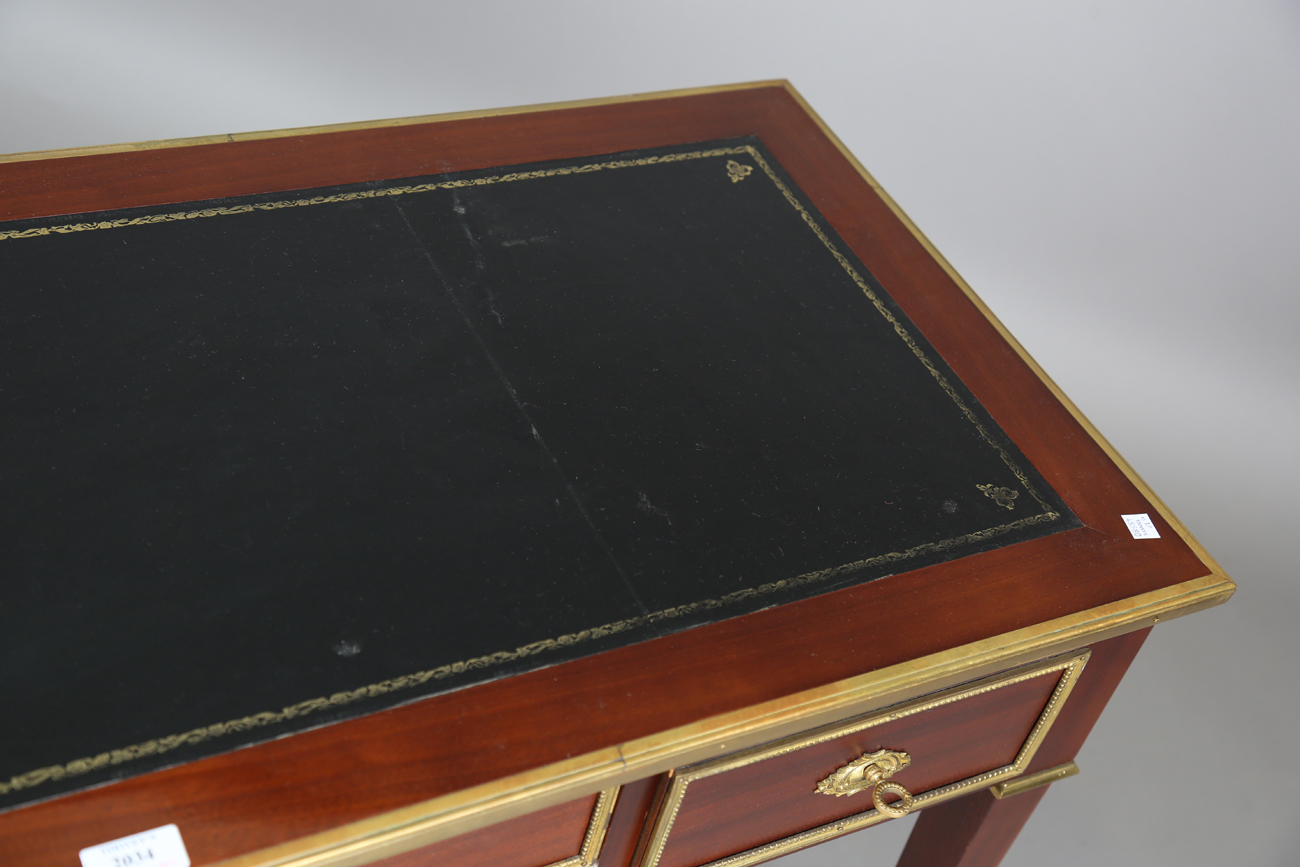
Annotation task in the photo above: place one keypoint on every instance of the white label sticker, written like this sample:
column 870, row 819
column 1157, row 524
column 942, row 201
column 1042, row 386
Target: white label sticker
column 1141, row 527
column 161, row 847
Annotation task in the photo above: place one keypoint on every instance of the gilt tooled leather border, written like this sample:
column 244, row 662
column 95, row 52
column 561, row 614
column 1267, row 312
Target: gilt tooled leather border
column 738, row 172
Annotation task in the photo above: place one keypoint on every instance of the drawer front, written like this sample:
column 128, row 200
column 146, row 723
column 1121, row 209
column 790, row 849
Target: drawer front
column 566, row 835
column 763, row 802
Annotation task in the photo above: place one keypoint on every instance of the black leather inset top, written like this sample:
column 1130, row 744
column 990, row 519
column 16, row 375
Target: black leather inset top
column 274, row 461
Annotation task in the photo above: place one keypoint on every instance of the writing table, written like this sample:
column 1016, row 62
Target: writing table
column 625, row 479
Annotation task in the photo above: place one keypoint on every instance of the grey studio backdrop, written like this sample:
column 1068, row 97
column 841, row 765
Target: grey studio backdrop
column 1118, row 180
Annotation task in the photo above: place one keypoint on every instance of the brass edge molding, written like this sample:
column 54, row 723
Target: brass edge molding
column 413, row 120
column 372, row 850
column 1070, row 666
column 729, row 732
column 456, row 813
column 594, row 839
column 1015, row 344
column 1034, row 781
column 409, row 828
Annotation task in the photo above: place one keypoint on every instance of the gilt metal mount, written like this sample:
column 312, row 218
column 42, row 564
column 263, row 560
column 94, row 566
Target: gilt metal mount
column 872, row 771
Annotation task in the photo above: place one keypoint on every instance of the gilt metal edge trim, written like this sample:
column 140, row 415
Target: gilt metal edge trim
column 1073, row 661
column 455, row 813
column 1033, row 781
column 594, row 838
column 383, row 123
column 1071, row 665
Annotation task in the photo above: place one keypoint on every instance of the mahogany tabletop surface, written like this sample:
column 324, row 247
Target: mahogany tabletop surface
column 426, row 464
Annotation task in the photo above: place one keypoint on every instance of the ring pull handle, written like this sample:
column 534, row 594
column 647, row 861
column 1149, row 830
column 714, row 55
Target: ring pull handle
column 872, row 772
column 898, row 809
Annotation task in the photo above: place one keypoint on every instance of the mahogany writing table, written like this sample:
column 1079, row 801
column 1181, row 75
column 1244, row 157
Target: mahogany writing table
column 624, row 480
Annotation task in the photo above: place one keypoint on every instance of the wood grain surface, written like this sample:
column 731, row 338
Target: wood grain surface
column 626, row 825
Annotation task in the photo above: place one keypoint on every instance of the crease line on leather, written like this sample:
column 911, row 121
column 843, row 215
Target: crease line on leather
column 514, row 397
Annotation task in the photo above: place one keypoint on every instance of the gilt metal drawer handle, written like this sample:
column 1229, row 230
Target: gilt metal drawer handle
column 872, row 771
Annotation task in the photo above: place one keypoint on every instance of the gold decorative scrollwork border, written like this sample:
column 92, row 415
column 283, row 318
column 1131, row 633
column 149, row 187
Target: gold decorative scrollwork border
column 202, row 213
column 1070, row 666
column 158, row 746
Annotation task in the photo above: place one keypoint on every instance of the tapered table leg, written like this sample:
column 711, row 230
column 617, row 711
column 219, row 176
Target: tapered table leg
column 974, row 831
column 977, row 830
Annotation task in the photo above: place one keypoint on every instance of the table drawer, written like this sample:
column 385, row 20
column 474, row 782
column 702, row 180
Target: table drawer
column 566, row 835
column 781, row 796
